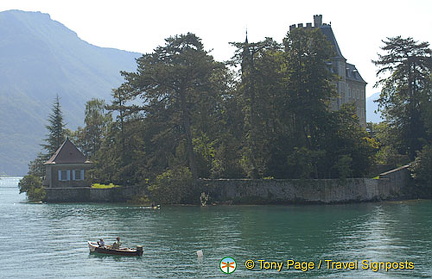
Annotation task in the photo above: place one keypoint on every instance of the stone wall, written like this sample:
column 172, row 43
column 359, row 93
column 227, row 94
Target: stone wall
column 390, row 185
column 87, row 194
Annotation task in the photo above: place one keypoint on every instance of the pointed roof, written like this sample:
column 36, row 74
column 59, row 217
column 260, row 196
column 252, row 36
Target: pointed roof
column 328, row 32
column 67, row 153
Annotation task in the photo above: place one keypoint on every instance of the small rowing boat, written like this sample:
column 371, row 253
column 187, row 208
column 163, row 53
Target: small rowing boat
column 95, row 248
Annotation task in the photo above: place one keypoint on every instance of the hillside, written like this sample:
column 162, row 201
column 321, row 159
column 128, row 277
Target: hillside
column 40, row 58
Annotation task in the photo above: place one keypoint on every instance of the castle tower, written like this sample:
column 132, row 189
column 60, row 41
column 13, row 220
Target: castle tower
column 351, row 88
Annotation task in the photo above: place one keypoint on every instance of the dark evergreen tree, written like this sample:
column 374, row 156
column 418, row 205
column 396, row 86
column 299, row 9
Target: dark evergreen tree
column 31, row 183
column 406, row 91
column 56, row 129
column 55, row 137
column 309, row 86
column 179, row 85
column 309, row 82
column 259, row 96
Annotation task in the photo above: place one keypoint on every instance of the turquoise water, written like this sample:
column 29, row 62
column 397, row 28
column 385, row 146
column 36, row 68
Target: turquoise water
column 50, row 240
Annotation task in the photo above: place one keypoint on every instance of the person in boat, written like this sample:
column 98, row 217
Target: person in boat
column 101, row 243
column 116, row 244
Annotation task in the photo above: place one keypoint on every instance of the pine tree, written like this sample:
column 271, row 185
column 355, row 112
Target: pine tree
column 56, row 129
column 406, row 92
column 309, row 89
column 55, row 137
column 258, row 94
column 31, row 183
column 179, row 84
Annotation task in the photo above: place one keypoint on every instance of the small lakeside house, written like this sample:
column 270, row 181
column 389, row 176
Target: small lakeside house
column 67, row 167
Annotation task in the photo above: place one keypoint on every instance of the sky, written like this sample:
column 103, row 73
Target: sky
column 142, row 25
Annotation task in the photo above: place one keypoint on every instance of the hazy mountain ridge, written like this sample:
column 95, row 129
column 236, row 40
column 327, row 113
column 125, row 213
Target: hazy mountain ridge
column 372, row 114
column 40, row 58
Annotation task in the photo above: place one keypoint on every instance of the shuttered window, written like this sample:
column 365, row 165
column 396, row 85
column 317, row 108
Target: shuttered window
column 78, row 175
column 64, row 175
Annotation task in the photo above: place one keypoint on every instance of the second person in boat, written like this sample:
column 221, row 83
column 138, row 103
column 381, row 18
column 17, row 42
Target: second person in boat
column 117, row 243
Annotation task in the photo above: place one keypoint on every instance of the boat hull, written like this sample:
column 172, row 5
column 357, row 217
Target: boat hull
column 94, row 248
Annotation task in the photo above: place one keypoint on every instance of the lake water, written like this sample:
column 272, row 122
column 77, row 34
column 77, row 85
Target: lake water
column 50, row 240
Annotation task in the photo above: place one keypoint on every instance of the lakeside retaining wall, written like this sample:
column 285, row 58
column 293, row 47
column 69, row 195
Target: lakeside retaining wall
column 390, row 185
column 87, row 194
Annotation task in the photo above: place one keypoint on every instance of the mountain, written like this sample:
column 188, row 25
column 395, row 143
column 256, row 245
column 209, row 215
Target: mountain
column 372, row 114
column 39, row 59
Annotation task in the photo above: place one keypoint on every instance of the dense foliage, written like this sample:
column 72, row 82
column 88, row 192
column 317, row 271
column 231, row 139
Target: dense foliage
column 263, row 114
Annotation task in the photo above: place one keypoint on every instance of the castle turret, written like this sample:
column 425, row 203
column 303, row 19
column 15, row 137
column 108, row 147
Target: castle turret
column 317, row 20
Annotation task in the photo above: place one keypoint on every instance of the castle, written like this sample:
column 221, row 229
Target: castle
column 351, row 88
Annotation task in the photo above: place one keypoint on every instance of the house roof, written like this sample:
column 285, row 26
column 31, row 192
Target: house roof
column 67, row 153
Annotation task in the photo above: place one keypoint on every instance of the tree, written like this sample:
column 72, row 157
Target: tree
column 178, row 84
column 309, row 82
column 31, row 183
column 55, row 137
column 182, row 112
column 288, row 129
column 56, row 129
column 350, row 151
column 406, row 91
column 259, row 96
column 387, row 154
column 309, row 87
column 96, row 121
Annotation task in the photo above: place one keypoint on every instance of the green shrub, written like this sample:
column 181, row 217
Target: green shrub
column 32, row 186
column 174, row 186
column 421, row 171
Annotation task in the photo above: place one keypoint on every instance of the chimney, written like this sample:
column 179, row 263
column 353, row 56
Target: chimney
column 317, row 20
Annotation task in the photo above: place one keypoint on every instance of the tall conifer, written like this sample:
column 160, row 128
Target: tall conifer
column 406, row 91
column 56, row 129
